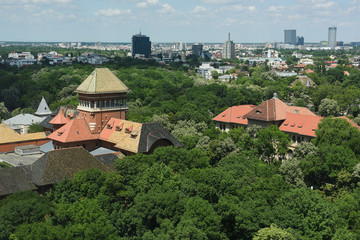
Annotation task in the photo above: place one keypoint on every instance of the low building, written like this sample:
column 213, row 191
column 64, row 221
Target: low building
column 271, row 112
column 46, row 171
column 9, row 139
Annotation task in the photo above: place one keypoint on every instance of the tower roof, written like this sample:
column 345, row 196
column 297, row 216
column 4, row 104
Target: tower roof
column 43, row 108
column 102, row 80
column 60, row 119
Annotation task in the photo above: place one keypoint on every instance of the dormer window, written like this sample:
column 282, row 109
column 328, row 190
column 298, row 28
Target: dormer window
column 60, row 133
column 120, row 127
column 129, row 129
column 258, row 112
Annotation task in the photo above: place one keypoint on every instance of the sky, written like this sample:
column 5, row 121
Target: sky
column 177, row 20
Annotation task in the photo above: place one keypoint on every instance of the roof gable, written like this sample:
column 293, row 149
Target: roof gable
column 102, row 80
column 234, row 114
column 74, row 131
column 271, row 110
column 57, row 165
column 59, row 119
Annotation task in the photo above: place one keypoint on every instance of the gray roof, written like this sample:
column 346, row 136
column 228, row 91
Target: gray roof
column 15, row 179
column 23, row 119
column 43, row 109
column 101, row 150
column 152, row 133
column 59, row 164
column 47, row 147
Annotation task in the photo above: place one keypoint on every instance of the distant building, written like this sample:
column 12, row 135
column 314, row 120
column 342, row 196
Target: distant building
column 141, row 45
column 300, row 40
column 290, row 37
column 197, row 49
column 229, row 49
column 332, row 37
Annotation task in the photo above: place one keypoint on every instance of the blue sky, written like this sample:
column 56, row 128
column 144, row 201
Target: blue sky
column 177, row 20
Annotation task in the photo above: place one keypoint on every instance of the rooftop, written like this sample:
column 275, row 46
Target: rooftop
column 102, row 80
column 43, row 109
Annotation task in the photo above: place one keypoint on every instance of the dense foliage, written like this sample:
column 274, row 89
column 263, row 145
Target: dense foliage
column 235, row 185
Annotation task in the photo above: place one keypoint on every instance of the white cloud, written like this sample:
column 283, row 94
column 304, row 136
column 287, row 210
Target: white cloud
column 273, row 8
column 323, row 5
column 166, row 8
column 199, row 9
column 112, row 12
column 218, row 1
column 141, row 5
column 252, row 8
column 147, row 3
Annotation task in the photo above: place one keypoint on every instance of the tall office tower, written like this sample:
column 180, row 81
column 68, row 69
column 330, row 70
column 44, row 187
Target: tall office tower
column 300, row 40
column 332, row 37
column 197, row 49
column 229, row 49
column 141, row 45
column 290, row 37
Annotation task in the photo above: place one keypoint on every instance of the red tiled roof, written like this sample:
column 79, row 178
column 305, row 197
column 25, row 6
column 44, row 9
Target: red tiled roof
column 300, row 66
column 59, row 119
column 75, row 130
column 333, row 65
column 234, row 114
column 300, row 124
column 271, row 110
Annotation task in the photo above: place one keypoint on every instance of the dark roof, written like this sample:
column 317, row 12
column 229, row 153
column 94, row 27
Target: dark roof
column 59, row 164
column 109, row 159
column 15, row 179
column 152, row 132
column 46, row 122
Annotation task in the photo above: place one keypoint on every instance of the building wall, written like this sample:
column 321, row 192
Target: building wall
column 98, row 120
column 10, row 147
column 88, row 145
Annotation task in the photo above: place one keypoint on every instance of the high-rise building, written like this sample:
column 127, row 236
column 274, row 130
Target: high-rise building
column 300, row 40
column 332, row 37
column 141, row 45
column 197, row 49
column 290, row 37
column 229, row 49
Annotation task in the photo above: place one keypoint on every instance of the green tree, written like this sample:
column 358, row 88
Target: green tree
column 329, row 107
column 274, row 233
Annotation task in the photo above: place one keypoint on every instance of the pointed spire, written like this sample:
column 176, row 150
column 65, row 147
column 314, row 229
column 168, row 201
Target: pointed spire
column 43, row 108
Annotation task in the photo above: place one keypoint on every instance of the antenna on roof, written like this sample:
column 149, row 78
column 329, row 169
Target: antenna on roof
column 140, row 31
column 229, row 37
column 275, row 96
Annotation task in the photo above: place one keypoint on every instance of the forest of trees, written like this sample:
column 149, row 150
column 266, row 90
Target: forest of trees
column 235, row 185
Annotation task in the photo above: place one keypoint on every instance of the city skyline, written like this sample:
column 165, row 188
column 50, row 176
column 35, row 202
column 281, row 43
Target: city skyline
column 171, row 21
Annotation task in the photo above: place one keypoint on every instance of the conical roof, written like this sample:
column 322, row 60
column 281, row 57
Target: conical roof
column 43, row 108
column 60, row 119
column 102, row 80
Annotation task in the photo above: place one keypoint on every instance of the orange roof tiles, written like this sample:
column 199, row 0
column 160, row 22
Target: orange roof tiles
column 60, row 119
column 300, row 124
column 75, row 130
column 125, row 134
column 271, row 110
column 300, row 66
column 234, row 114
